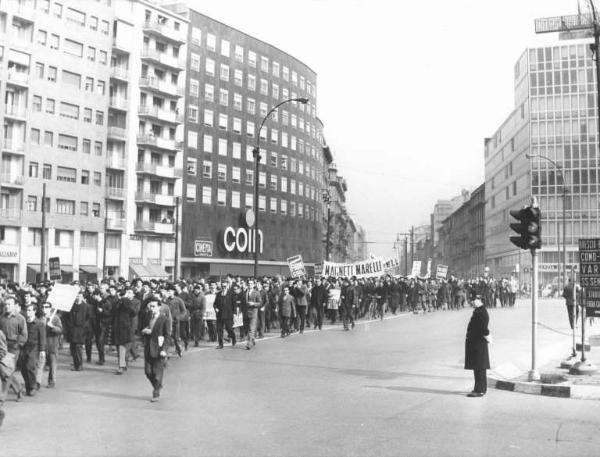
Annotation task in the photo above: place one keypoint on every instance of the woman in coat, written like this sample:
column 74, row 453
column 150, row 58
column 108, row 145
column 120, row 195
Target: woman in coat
column 476, row 347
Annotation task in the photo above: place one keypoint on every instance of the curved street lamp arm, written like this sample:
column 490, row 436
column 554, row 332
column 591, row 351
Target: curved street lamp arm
column 556, row 165
column 301, row 100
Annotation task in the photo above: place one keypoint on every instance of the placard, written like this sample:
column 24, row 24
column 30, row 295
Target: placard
column 54, row 270
column 62, row 296
column 296, row 265
column 209, row 312
column 333, row 300
column 238, row 320
column 416, row 268
column 441, row 272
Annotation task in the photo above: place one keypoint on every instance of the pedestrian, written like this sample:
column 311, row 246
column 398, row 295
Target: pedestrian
column 53, row 332
column 223, row 306
column 14, row 327
column 476, row 347
column 254, row 302
column 286, row 311
column 78, row 323
column 33, row 350
column 155, row 354
column 5, row 371
column 572, row 310
column 123, row 315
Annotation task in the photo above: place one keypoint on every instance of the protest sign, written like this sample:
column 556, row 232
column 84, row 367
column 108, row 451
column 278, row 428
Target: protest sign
column 296, row 265
column 62, row 296
column 238, row 320
column 333, row 301
column 441, row 272
column 55, row 273
column 210, row 313
column 416, row 268
column 428, row 275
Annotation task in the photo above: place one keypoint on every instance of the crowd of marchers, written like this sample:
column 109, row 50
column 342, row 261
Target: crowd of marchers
column 121, row 314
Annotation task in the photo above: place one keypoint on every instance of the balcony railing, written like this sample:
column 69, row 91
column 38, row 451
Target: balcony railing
column 18, row 77
column 115, row 192
column 159, row 142
column 161, row 86
column 161, row 114
column 119, row 73
column 165, row 31
column 13, row 146
column 157, row 199
column 119, row 103
column 15, row 111
column 159, row 170
column 11, row 179
column 10, row 213
column 115, row 223
column 163, row 58
column 155, row 227
column 118, row 133
column 115, row 161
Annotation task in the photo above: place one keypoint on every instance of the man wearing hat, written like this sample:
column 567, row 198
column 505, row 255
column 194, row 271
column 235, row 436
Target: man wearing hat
column 155, row 335
column 178, row 313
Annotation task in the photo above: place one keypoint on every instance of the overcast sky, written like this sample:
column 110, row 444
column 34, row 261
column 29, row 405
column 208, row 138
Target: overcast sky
column 407, row 90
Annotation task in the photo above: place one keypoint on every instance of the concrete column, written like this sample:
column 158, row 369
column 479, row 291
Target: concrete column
column 124, row 267
column 100, row 250
column 22, row 273
column 76, row 254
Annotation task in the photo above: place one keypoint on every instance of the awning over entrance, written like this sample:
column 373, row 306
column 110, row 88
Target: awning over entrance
column 247, row 269
column 138, row 271
column 91, row 270
column 156, row 271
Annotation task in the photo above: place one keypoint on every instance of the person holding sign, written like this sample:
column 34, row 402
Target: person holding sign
column 155, row 335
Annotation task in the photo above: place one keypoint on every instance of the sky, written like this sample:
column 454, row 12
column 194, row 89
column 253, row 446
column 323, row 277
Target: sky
column 407, row 90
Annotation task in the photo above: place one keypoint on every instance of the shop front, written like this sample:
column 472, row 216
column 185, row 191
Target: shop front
column 9, row 263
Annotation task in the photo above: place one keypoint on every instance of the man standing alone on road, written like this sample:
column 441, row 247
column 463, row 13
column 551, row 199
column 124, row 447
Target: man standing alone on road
column 155, row 335
column 568, row 296
column 476, row 347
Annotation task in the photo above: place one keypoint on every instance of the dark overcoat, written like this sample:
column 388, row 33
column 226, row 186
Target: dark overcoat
column 78, row 323
column 124, row 312
column 223, row 305
column 476, row 347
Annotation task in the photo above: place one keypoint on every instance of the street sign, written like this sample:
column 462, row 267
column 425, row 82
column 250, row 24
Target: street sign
column 589, row 272
column 55, row 273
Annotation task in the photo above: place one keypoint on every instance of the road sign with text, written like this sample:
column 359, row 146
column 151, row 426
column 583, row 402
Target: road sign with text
column 589, row 272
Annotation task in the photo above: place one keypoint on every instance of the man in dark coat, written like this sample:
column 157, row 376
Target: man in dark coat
column 156, row 335
column 124, row 313
column 33, row 350
column 78, row 322
column 476, row 347
column 318, row 301
column 572, row 311
column 223, row 306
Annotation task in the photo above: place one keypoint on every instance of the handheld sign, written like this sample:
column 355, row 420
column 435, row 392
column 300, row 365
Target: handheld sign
column 55, row 274
column 62, row 296
column 296, row 264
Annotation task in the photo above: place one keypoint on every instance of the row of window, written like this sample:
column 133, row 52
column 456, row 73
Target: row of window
column 277, row 70
column 65, row 142
column 74, row 16
column 276, row 182
column 63, row 206
column 65, row 174
column 68, row 110
column 238, row 80
column 71, row 47
column 276, row 206
column 69, row 78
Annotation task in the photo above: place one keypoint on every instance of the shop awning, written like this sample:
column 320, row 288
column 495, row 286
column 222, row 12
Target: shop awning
column 247, row 270
column 156, row 271
column 66, row 269
column 90, row 270
column 137, row 270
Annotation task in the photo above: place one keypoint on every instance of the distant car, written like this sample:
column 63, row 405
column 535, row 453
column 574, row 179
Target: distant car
column 547, row 291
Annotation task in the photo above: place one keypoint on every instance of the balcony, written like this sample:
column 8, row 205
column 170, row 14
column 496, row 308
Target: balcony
column 119, row 46
column 158, row 170
column 115, row 161
column 115, row 193
column 117, row 133
column 155, row 112
column 114, row 223
column 11, row 214
column 119, row 73
column 160, row 86
column 176, row 36
column 12, row 179
column 18, row 78
column 13, row 146
column 15, row 112
column 156, row 199
column 158, row 142
column 162, row 58
column 118, row 103
column 154, row 227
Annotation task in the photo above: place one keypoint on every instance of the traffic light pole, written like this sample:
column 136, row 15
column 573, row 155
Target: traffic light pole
column 534, row 374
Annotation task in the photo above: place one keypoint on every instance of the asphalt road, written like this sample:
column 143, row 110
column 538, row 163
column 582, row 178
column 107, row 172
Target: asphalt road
column 395, row 387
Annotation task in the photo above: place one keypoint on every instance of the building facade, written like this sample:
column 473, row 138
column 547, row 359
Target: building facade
column 555, row 116
column 233, row 80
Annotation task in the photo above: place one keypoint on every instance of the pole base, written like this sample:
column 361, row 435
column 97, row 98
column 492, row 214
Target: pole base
column 585, row 368
column 533, row 375
column 569, row 361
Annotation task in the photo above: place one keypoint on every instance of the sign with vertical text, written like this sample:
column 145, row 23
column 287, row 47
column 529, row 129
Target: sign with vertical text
column 589, row 273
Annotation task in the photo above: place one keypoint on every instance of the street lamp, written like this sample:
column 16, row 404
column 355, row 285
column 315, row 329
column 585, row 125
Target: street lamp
column 559, row 170
column 256, row 154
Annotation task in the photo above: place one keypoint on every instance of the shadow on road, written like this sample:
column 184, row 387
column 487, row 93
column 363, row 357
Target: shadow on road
column 419, row 390
column 111, row 395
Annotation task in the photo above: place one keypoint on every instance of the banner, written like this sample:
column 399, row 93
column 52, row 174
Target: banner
column 62, row 296
column 209, row 313
column 416, row 268
column 428, row 275
column 441, row 272
column 391, row 263
column 333, row 301
column 296, row 265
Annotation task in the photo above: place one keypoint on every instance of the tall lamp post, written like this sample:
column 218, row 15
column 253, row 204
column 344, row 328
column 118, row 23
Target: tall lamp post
column 256, row 154
column 559, row 170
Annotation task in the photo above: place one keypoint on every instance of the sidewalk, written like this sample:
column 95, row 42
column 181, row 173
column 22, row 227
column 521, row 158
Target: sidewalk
column 553, row 347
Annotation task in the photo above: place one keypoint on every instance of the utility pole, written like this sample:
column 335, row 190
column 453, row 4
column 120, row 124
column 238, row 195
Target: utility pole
column 43, row 250
column 405, row 255
column 412, row 243
column 176, row 266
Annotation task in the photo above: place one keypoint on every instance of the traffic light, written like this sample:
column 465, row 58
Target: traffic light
column 529, row 228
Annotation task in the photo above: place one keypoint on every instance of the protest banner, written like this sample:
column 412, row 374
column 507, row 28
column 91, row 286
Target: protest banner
column 428, row 275
column 366, row 269
column 441, row 272
column 333, row 301
column 390, row 263
column 416, row 268
column 296, row 265
column 238, row 320
column 209, row 312
column 62, row 296
column 54, row 264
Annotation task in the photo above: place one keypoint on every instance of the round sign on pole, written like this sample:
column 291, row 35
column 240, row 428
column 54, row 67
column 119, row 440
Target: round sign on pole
column 250, row 218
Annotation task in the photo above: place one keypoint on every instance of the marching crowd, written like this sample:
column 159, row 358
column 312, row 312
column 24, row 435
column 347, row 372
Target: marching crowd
column 150, row 317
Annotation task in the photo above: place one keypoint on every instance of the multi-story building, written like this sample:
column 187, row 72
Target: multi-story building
column 554, row 116
column 441, row 210
column 233, row 80
column 92, row 95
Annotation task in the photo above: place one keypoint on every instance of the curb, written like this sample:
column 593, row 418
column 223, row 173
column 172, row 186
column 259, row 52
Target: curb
column 580, row 392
